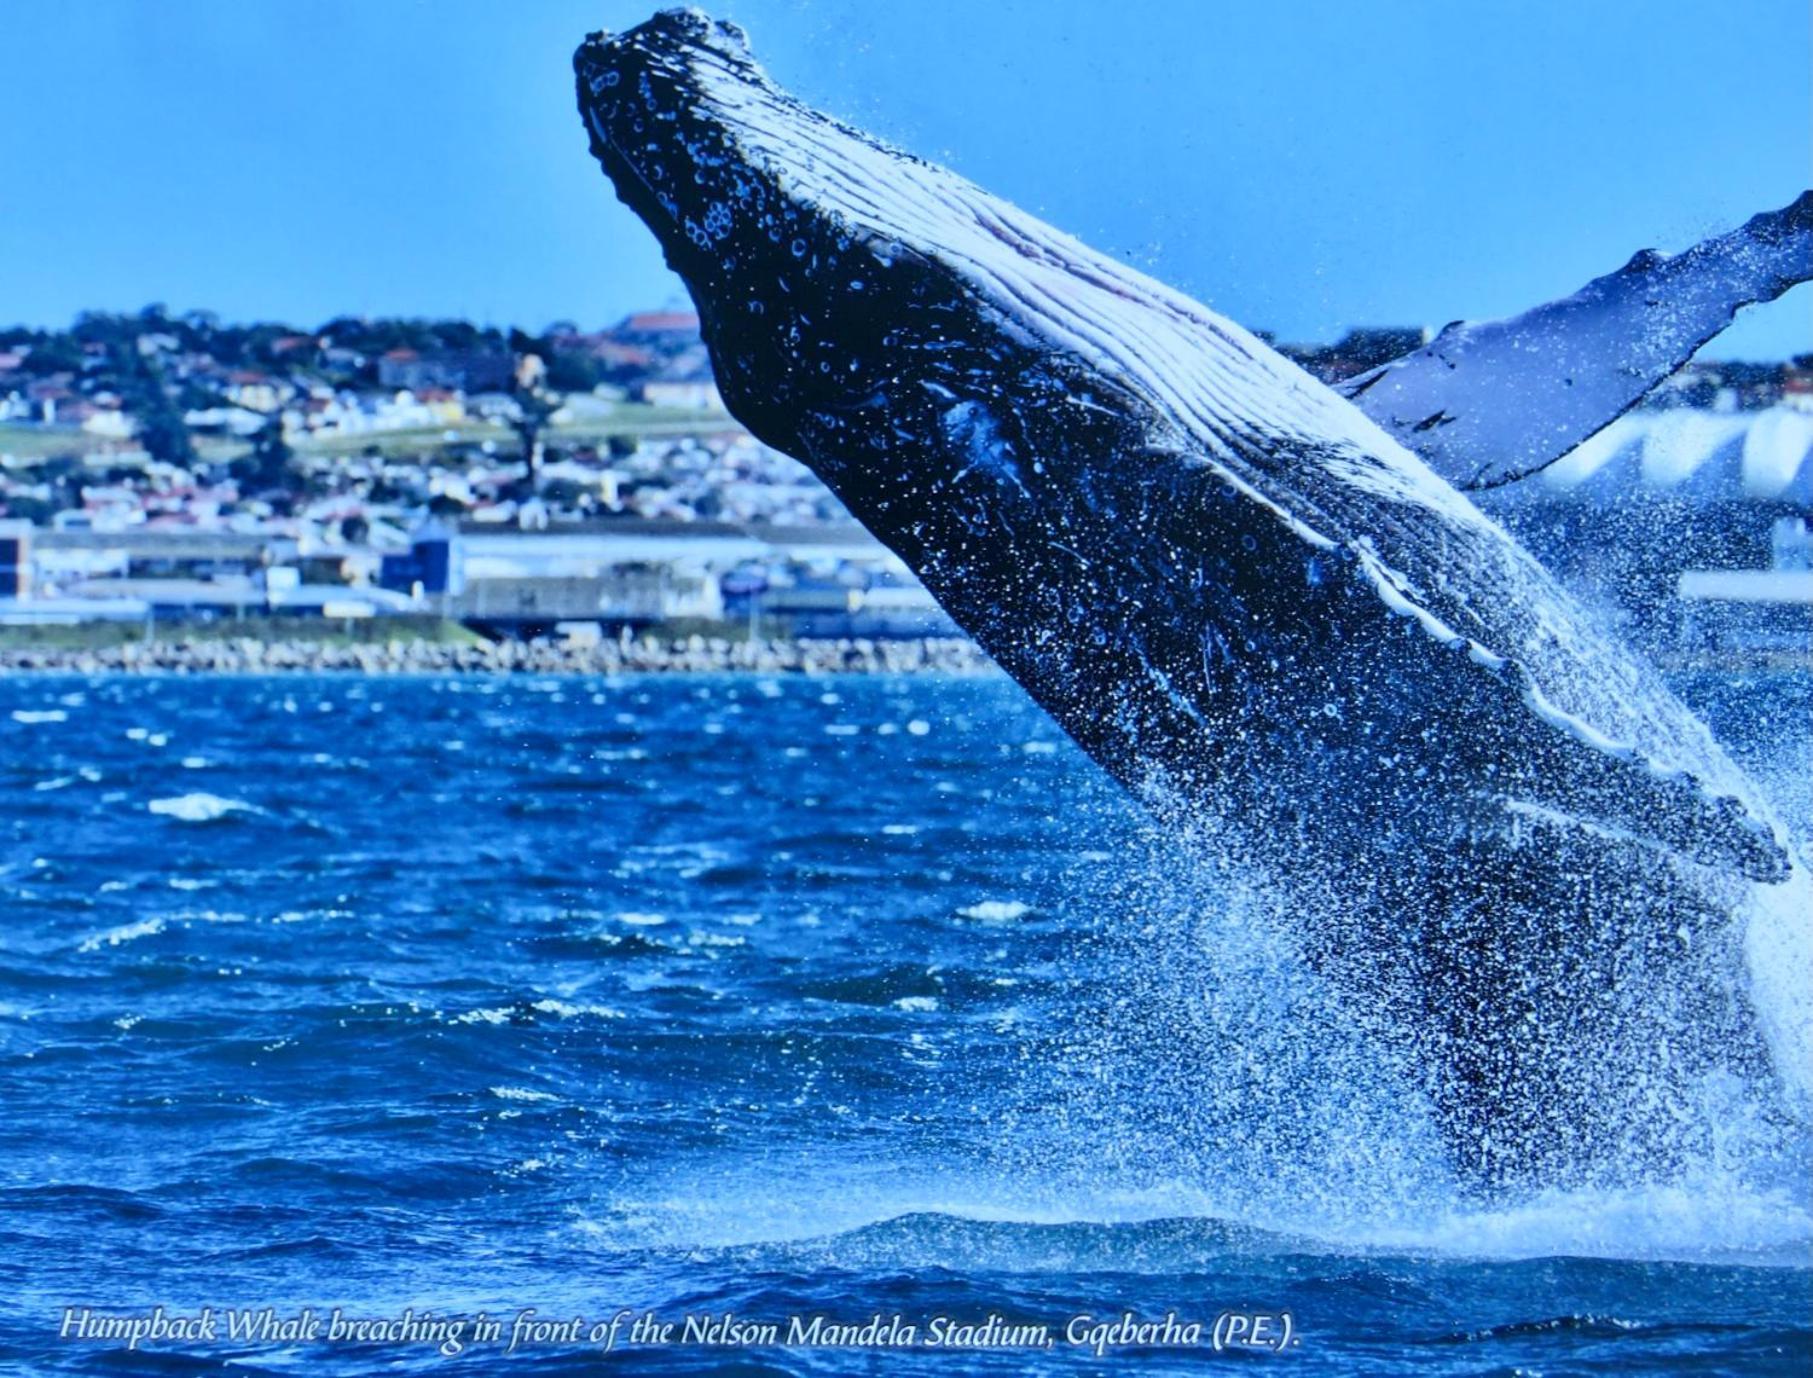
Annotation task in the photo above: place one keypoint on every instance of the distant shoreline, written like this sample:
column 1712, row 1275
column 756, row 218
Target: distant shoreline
column 645, row 655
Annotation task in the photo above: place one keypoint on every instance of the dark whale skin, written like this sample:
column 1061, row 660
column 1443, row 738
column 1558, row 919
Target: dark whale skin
column 1520, row 859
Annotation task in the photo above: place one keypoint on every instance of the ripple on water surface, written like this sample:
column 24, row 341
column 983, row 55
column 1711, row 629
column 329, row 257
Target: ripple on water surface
column 491, row 994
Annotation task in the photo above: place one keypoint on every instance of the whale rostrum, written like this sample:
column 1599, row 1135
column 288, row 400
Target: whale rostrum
column 1512, row 850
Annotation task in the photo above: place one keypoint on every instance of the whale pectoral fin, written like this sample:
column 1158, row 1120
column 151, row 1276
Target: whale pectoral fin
column 1599, row 783
column 1489, row 402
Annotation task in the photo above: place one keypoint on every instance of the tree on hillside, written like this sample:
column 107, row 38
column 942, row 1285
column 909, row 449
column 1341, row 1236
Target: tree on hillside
column 571, row 371
column 269, row 465
column 533, row 408
column 161, row 429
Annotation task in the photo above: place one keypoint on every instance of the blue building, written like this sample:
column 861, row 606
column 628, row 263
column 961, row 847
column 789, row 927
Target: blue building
column 433, row 563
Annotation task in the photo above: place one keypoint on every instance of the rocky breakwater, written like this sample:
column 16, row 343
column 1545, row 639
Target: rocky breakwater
column 641, row 655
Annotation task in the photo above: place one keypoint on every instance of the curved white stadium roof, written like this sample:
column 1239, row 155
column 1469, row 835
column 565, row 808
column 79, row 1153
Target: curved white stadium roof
column 1760, row 456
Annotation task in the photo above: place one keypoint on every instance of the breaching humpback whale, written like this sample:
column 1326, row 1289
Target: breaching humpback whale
column 1514, row 853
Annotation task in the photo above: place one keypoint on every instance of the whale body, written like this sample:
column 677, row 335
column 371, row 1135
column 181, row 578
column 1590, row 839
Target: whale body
column 1516, row 855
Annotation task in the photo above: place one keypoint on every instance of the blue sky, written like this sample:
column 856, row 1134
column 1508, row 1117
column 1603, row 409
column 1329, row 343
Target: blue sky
column 1301, row 166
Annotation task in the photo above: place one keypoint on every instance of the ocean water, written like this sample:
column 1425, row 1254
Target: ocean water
column 439, row 1000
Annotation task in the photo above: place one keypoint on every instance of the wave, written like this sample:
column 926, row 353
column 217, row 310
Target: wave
column 843, row 1221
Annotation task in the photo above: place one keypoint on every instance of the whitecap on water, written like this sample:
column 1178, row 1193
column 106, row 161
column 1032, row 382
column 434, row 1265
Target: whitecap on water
column 39, row 715
column 199, row 807
column 563, row 1010
column 497, row 1015
column 521, row 1093
column 995, row 911
column 125, row 933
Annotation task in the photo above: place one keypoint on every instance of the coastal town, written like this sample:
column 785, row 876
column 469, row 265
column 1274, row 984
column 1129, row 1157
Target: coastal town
column 166, row 477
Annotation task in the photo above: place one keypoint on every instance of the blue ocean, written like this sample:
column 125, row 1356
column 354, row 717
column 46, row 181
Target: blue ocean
column 538, row 1025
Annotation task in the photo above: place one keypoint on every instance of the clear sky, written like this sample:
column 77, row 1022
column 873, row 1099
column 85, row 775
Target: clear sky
column 1303, row 166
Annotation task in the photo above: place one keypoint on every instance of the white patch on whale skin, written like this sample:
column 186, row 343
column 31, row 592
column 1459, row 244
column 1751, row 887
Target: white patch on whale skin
column 975, row 432
column 1385, row 583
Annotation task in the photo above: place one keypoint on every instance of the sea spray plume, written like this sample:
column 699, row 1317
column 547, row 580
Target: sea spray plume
column 1515, row 851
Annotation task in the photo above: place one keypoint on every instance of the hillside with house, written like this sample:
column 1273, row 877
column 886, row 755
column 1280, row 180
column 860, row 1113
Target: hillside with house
column 171, row 466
